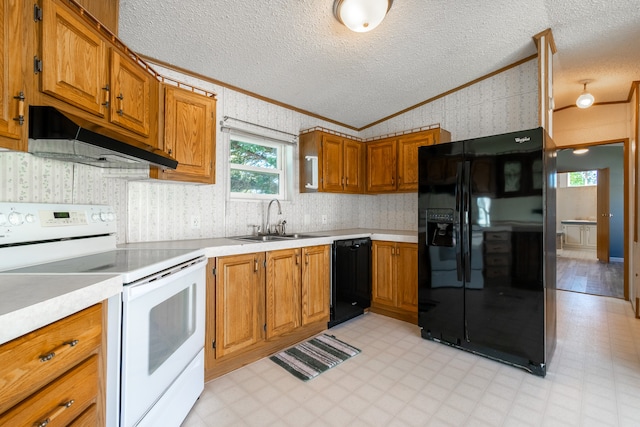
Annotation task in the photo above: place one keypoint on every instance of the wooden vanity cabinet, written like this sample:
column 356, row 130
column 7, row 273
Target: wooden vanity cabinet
column 12, row 83
column 54, row 372
column 340, row 163
column 392, row 163
column 188, row 136
column 394, row 282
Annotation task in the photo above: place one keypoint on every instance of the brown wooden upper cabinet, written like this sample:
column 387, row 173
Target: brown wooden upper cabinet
column 81, row 68
column 189, row 136
column 392, row 163
column 12, row 105
column 340, row 163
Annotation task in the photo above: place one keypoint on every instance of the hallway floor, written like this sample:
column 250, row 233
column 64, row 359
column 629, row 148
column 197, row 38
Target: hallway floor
column 580, row 271
column 399, row 379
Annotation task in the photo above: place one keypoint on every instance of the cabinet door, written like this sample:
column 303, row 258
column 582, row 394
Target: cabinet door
column 316, row 275
column 572, row 234
column 332, row 163
column 130, row 94
column 11, row 81
column 407, row 276
column 408, row 159
column 189, row 136
column 591, row 236
column 382, row 279
column 353, row 166
column 74, row 60
column 239, row 316
column 283, row 291
column 381, row 166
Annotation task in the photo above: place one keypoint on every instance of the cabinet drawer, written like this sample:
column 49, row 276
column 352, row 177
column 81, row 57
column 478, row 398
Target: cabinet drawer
column 496, row 272
column 89, row 418
column 61, row 401
column 497, row 246
column 496, row 260
column 35, row 359
column 497, row 235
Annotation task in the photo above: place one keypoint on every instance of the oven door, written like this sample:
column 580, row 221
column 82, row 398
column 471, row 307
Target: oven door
column 162, row 332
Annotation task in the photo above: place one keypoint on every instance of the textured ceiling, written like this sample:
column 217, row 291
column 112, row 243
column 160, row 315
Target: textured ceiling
column 295, row 52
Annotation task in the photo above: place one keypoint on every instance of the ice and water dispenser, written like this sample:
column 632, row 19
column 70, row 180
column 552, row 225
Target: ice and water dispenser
column 440, row 227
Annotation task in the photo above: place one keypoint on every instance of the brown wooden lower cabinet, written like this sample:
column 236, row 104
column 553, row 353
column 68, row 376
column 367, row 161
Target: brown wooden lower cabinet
column 55, row 373
column 394, row 280
column 260, row 303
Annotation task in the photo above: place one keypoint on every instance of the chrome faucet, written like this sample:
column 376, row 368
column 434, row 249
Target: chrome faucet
column 268, row 225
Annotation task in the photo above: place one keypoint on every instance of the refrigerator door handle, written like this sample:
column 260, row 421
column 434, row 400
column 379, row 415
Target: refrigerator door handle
column 466, row 194
column 459, row 222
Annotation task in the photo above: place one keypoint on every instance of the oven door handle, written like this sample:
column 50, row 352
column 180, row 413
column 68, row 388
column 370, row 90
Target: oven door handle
column 136, row 290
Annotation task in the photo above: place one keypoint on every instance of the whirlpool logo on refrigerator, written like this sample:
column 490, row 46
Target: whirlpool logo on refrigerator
column 523, row 139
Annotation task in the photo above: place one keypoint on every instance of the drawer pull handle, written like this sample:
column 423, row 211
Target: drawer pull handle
column 54, row 414
column 52, row 353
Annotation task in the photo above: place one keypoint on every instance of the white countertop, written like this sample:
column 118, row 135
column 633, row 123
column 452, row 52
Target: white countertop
column 228, row 246
column 30, row 301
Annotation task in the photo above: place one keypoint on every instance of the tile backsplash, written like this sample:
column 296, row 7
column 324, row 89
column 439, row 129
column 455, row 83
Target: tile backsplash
column 153, row 211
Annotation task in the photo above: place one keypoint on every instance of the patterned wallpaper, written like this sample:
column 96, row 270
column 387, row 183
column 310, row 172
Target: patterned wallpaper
column 154, row 211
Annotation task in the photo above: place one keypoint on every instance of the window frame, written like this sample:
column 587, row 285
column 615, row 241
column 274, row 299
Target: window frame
column 283, row 169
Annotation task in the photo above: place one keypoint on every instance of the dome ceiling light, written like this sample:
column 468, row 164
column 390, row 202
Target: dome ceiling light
column 579, row 151
column 585, row 100
column 361, row 15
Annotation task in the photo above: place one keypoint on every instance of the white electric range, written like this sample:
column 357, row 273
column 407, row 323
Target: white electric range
column 155, row 357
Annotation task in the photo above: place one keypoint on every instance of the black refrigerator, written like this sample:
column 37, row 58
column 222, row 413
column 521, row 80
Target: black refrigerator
column 486, row 237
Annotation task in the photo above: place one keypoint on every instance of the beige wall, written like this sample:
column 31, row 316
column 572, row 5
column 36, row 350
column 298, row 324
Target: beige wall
column 598, row 123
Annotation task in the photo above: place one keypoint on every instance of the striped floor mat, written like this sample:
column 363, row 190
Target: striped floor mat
column 311, row 358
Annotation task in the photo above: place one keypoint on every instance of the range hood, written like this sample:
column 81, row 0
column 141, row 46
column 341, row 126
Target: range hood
column 54, row 135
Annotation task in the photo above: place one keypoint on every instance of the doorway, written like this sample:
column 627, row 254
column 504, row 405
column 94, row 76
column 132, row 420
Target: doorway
column 592, row 219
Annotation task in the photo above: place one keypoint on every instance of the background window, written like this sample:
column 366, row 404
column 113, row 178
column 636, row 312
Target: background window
column 582, row 178
column 257, row 168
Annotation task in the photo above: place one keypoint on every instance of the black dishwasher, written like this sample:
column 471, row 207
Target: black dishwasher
column 351, row 281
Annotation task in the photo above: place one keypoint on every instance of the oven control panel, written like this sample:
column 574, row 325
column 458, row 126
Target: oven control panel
column 28, row 222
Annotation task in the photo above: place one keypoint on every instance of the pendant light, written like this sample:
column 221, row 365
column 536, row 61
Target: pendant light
column 585, row 100
column 361, row 15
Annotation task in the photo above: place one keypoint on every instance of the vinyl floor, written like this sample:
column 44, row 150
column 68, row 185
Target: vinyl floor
column 580, row 271
column 400, row 379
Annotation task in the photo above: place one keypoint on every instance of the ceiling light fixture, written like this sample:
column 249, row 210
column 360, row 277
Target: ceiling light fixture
column 585, row 100
column 580, row 150
column 361, row 15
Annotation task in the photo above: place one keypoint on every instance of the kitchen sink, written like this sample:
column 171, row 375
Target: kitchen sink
column 274, row 237
column 299, row 236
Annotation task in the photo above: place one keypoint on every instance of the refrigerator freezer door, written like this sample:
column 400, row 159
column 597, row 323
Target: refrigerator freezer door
column 440, row 284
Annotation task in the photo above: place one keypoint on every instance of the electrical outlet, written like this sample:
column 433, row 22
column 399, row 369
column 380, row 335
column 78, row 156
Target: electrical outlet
column 307, row 219
column 324, row 219
column 195, row 221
